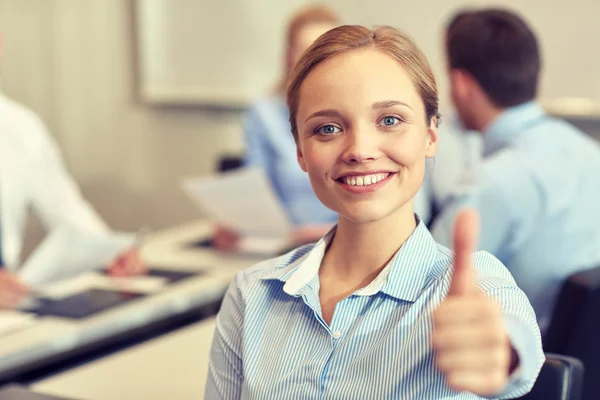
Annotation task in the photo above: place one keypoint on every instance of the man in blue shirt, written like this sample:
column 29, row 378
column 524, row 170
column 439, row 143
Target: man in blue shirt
column 537, row 186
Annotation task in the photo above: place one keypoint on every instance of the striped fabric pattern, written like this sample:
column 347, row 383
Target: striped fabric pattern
column 271, row 342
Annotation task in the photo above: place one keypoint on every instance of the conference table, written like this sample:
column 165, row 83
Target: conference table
column 47, row 348
column 173, row 366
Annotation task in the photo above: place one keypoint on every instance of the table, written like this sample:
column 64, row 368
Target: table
column 174, row 366
column 55, row 339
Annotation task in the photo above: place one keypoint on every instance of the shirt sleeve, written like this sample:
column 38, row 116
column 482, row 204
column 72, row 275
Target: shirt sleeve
column 225, row 370
column 258, row 153
column 496, row 219
column 55, row 196
column 519, row 321
column 260, row 150
column 507, row 200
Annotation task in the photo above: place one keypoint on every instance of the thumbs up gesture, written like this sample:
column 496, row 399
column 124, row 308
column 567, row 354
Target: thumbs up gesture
column 471, row 344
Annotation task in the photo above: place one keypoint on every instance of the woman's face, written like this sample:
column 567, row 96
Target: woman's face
column 363, row 136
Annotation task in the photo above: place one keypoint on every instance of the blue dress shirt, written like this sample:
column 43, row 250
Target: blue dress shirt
column 538, row 192
column 271, row 341
column 271, row 146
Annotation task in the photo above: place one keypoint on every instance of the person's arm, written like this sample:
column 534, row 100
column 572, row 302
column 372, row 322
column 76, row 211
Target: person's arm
column 57, row 200
column 486, row 336
column 497, row 219
column 258, row 154
column 258, row 151
column 226, row 369
column 55, row 196
column 507, row 200
column 12, row 290
column 521, row 327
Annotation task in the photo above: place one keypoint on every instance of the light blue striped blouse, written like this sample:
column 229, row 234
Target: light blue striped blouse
column 272, row 343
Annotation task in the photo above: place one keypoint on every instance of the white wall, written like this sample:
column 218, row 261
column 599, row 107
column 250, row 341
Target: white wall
column 73, row 62
column 238, row 42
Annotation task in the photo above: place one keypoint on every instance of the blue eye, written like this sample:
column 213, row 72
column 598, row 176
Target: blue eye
column 328, row 129
column 390, row 121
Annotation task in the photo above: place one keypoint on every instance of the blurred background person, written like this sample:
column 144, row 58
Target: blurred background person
column 537, row 187
column 270, row 144
column 33, row 176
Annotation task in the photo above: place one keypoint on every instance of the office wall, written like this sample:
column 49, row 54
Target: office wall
column 73, row 62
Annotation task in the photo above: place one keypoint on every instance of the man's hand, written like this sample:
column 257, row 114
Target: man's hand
column 225, row 239
column 127, row 264
column 12, row 290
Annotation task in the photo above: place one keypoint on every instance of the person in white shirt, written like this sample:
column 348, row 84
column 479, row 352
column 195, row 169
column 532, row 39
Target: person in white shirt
column 32, row 175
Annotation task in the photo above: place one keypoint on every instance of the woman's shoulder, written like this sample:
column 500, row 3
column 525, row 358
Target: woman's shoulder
column 490, row 272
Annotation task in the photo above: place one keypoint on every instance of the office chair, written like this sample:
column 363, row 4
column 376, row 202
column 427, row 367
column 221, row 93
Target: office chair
column 575, row 326
column 561, row 378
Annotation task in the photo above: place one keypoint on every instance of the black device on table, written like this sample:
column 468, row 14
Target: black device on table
column 109, row 344
column 87, row 303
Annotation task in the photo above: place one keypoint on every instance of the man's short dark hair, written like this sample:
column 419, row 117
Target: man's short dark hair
column 499, row 50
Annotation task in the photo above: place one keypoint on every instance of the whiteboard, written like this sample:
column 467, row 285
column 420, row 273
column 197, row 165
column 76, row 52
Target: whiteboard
column 227, row 52
column 214, row 52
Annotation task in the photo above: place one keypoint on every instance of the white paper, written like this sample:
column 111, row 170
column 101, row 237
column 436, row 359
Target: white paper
column 94, row 280
column 66, row 252
column 136, row 284
column 262, row 245
column 12, row 321
column 242, row 199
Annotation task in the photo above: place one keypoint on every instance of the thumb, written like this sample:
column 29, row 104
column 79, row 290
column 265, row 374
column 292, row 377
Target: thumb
column 466, row 234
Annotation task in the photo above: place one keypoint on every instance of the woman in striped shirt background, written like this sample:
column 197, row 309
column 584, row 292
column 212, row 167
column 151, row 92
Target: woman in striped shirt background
column 376, row 309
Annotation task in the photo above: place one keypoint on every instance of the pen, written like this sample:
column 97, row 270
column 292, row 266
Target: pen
column 140, row 236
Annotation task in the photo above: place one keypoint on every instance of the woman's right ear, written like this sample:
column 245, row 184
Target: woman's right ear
column 300, row 157
column 432, row 138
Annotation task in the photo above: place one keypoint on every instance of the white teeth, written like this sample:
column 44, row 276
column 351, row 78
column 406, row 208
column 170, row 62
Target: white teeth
column 364, row 180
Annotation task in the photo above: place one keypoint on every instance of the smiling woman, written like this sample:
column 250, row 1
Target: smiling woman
column 375, row 309
column 370, row 127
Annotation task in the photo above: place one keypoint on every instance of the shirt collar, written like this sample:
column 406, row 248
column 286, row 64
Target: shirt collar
column 509, row 125
column 403, row 278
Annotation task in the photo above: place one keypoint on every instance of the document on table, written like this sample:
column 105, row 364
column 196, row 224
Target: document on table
column 12, row 321
column 244, row 200
column 67, row 252
column 95, row 280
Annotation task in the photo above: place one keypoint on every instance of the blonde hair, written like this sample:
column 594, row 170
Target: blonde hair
column 386, row 39
column 312, row 14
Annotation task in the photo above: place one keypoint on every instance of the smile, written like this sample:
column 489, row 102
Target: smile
column 364, row 180
column 364, row 183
